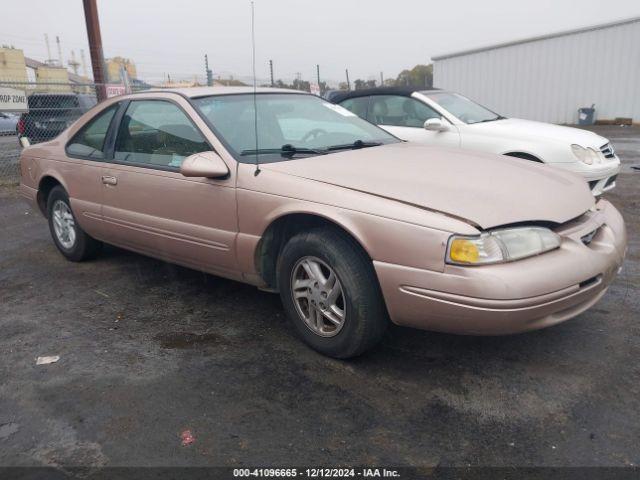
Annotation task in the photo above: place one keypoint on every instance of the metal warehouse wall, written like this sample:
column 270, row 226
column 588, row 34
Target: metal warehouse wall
column 548, row 79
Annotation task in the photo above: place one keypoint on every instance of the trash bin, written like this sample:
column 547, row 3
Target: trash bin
column 587, row 115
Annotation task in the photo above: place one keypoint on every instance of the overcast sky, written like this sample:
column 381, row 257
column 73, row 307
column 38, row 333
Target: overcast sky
column 366, row 36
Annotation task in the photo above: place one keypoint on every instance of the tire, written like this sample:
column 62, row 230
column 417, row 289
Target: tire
column 71, row 240
column 360, row 300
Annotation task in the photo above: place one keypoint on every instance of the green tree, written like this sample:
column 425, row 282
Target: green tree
column 420, row 76
column 360, row 84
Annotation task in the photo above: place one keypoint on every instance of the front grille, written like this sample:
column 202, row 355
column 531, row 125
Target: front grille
column 607, row 150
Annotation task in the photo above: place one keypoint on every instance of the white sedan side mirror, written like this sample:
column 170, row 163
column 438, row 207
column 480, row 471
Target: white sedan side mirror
column 435, row 125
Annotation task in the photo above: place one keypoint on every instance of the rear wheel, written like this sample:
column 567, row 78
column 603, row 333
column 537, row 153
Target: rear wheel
column 331, row 294
column 67, row 235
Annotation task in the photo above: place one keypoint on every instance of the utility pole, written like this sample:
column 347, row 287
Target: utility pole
column 271, row 72
column 59, row 51
column 84, row 63
column 348, row 83
column 95, row 47
column 208, row 71
column 73, row 63
column 49, row 60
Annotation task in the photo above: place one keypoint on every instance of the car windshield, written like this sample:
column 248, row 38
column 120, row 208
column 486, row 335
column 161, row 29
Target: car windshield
column 462, row 108
column 288, row 126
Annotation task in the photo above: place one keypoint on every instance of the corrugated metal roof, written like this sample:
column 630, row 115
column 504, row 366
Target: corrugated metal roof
column 535, row 39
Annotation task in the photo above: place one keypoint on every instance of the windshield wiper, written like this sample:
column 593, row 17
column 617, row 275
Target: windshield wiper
column 499, row 117
column 354, row 146
column 286, row 150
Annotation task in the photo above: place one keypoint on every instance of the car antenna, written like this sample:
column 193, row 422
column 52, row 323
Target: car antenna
column 255, row 101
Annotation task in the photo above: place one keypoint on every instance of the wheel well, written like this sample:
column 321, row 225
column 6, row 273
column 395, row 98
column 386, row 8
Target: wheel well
column 525, row 156
column 44, row 188
column 276, row 236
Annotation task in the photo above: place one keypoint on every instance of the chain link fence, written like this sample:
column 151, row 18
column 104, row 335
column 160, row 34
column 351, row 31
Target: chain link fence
column 50, row 109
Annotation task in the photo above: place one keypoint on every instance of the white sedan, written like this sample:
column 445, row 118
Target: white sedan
column 438, row 117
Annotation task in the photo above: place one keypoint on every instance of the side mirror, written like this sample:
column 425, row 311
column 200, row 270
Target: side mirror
column 205, row 164
column 435, row 125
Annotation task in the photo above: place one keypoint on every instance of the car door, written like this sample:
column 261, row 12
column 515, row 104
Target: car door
column 83, row 167
column 404, row 117
column 150, row 207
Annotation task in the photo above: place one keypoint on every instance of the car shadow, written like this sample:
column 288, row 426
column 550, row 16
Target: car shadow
column 247, row 309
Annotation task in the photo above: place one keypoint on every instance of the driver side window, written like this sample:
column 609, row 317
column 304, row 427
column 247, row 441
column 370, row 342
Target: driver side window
column 399, row 111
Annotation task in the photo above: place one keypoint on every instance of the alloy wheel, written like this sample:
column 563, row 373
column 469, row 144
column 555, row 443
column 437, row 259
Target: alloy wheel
column 63, row 224
column 318, row 296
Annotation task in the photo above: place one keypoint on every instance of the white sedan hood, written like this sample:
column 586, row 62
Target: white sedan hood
column 528, row 129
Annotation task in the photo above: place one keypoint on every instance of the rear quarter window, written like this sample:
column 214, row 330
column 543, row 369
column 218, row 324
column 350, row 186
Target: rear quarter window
column 357, row 105
column 89, row 142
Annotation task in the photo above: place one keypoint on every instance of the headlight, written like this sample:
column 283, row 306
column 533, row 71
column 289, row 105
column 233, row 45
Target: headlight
column 586, row 155
column 501, row 245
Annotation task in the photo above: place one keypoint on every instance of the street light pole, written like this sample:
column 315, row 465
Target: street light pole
column 95, row 47
column 271, row 72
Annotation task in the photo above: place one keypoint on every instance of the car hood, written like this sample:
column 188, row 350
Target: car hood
column 483, row 189
column 527, row 129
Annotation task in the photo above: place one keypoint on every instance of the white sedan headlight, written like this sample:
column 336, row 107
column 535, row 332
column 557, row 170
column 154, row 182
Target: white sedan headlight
column 586, row 155
column 501, row 245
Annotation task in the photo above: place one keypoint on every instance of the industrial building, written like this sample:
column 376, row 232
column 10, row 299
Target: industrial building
column 36, row 75
column 549, row 77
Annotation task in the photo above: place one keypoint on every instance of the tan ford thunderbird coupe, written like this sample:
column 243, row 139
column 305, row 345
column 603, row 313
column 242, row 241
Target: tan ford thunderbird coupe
column 350, row 225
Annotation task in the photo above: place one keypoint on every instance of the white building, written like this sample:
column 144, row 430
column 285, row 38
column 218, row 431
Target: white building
column 548, row 78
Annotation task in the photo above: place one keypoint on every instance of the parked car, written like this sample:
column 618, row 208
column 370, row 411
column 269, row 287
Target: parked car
column 51, row 113
column 438, row 117
column 349, row 224
column 8, row 123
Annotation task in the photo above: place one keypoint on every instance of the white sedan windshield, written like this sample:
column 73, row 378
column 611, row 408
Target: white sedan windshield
column 463, row 108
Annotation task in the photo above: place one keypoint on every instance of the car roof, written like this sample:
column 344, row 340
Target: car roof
column 194, row 92
column 337, row 96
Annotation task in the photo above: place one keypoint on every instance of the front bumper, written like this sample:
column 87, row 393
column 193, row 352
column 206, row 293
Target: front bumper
column 601, row 177
column 512, row 297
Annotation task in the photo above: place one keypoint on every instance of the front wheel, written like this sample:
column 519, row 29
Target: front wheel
column 70, row 239
column 331, row 294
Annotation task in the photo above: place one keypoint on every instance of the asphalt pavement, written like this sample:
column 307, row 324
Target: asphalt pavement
column 149, row 351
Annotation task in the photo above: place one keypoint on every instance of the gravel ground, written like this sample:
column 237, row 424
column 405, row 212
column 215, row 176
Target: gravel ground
column 149, row 350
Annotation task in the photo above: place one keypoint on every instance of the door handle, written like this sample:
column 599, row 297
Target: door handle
column 109, row 180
